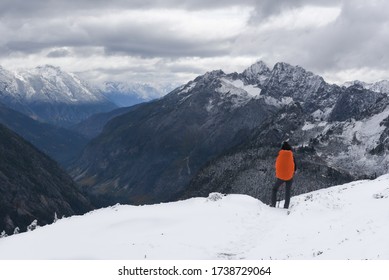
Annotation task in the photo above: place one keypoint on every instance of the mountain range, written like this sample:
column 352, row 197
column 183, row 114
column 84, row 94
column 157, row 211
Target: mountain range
column 222, row 132
column 48, row 94
column 125, row 94
column 338, row 134
column 381, row 86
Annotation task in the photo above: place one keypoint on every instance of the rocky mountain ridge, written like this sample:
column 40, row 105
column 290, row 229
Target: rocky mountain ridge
column 380, row 86
column 169, row 148
column 339, row 134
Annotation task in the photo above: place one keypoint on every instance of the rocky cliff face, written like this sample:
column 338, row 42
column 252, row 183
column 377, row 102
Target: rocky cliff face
column 32, row 186
column 222, row 132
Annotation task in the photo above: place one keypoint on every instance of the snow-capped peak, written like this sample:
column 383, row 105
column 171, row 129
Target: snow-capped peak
column 286, row 68
column 210, row 76
column 380, row 86
column 48, row 72
column 295, row 76
column 47, row 68
column 258, row 72
column 50, row 84
column 5, row 76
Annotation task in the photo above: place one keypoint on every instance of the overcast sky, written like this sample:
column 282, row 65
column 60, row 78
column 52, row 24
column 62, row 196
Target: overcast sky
column 176, row 40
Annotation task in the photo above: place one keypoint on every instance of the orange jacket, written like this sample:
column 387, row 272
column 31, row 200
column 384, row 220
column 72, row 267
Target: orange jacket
column 285, row 165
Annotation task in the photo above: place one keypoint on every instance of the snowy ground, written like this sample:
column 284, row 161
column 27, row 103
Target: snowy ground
column 343, row 222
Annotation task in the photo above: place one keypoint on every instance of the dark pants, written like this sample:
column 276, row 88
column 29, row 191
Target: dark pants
column 288, row 187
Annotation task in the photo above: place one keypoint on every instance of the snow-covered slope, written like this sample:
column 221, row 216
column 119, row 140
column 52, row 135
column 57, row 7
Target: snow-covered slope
column 343, row 222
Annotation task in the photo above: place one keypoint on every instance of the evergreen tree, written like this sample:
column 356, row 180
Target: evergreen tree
column 16, row 230
column 33, row 225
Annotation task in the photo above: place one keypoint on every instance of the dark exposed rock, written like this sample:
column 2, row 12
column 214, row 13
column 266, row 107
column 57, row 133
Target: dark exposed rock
column 353, row 102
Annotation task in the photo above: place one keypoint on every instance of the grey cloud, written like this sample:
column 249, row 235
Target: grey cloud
column 161, row 74
column 26, row 47
column 357, row 38
column 162, row 65
column 40, row 25
column 169, row 47
column 267, row 8
column 40, row 34
column 59, row 53
column 39, row 8
column 147, row 40
column 174, row 68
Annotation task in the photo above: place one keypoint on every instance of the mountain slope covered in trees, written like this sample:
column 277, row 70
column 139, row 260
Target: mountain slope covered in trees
column 33, row 186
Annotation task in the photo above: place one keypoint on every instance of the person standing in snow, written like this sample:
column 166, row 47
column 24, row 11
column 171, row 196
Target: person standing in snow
column 285, row 169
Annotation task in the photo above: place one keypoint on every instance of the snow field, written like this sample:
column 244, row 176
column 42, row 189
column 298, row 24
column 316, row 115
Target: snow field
column 343, row 222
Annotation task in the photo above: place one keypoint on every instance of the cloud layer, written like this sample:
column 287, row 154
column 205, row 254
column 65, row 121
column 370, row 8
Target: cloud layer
column 173, row 41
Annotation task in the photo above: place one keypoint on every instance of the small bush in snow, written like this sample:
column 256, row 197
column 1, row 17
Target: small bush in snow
column 379, row 196
column 3, row 234
column 215, row 196
column 55, row 217
column 16, row 230
column 33, row 225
